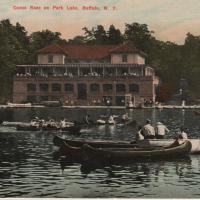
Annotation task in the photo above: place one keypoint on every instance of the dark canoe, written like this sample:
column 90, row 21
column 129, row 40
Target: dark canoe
column 58, row 141
column 115, row 156
column 50, row 128
column 72, row 129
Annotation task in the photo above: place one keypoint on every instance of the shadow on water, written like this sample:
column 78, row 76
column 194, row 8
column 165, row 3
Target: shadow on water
column 148, row 168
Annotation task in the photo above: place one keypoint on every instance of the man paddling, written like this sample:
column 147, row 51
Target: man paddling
column 161, row 129
column 148, row 130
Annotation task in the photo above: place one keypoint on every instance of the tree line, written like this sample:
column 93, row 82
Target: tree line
column 170, row 60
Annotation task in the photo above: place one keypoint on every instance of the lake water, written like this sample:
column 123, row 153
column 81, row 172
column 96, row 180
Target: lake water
column 27, row 167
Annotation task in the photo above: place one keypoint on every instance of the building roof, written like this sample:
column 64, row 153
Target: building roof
column 127, row 47
column 89, row 52
column 53, row 48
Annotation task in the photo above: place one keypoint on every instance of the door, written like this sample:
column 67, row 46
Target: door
column 82, row 91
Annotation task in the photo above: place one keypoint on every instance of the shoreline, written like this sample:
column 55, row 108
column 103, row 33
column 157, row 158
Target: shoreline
column 104, row 107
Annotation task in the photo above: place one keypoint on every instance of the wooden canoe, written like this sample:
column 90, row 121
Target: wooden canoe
column 119, row 155
column 58, row 141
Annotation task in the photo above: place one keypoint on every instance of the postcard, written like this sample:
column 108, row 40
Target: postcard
column 99, row 99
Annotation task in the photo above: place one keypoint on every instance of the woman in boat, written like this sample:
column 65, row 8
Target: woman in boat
column 182, row 134
column 139, row 134
column 161, row 129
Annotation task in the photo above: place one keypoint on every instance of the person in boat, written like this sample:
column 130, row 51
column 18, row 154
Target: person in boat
column 62, row 123
column 88, row 120
column 148, row 130
column 139, row 134
column 125, row 117
column 182, row 134
column 161, row 130
column 101, row 121
column 111, row 120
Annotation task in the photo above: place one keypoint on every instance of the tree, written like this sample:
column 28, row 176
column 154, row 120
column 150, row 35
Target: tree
column 97, row 35
column 140, row 35
column 114, row 35
column 42, row 39
column 13, row 50
column 77, row 40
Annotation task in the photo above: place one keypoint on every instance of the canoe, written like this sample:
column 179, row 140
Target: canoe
column 119, row 155
column 72, row 129
column 166, row 142
column 58, row 141
column 77, row 153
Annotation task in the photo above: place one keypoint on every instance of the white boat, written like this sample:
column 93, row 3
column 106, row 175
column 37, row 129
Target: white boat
column 6, row 123
column 19, row 105
column 166, row 142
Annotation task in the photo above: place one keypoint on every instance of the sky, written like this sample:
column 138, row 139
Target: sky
column 170, row 20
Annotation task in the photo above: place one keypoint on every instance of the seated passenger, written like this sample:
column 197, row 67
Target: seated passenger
column 161, row 129
column 182, row 134
column 88, row 120
column 148, row 130
column 111, row 120
column 125, row 117
column 139, row 134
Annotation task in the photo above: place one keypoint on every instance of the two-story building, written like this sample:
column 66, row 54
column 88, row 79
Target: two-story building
column 86, row 75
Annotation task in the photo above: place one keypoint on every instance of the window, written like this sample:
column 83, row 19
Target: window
column 107, row 87
column 44, row 87
column 50, row 58
column 31, row 87
column 134, row 88
column 124, row 58
column 95, row 88
column 120, row 88
column 56, row 87
column 69, row 88
column 120, row 100
column 31, row 99
column 44, row 98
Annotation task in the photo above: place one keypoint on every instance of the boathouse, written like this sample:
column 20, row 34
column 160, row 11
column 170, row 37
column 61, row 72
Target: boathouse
column 86, row 75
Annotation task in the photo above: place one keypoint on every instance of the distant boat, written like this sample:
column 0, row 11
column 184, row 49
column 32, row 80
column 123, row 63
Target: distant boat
column 19, row 105
column 51, row 103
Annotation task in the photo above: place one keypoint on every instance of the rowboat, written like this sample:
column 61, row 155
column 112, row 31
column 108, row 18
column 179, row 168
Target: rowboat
column 11, row 124
column 29, row 127
column 58, row 141
column 124, row 155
